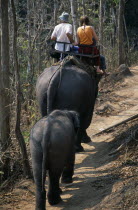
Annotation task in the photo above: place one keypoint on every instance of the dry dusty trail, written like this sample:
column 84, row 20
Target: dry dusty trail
column 101, row 182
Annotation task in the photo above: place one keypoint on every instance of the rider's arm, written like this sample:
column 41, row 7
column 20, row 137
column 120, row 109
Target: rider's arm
column 78, row 39
column 95, row 35
column 53, row 38
column 69, row 33
column 54, row 35
column 70, row 37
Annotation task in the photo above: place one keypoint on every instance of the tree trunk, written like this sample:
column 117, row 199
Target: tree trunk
column 55, row 11
column 120, row 32
column 78, row 5
column 30, row 68
column 101, row 26
column 126, row 33
column 114, row 23
column 83, row 7
column 4, row 91
column 73, row 18
column 18, row 132
column 30, row 65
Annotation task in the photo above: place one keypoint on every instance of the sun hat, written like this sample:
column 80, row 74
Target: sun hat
column 64, row 16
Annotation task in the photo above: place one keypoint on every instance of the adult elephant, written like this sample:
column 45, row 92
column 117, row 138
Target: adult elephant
column 68, row 88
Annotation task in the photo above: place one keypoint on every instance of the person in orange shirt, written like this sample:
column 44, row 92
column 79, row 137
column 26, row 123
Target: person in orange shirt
column 85, row 36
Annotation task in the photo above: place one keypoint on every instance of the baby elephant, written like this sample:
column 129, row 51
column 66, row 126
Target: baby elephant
column 52, row 145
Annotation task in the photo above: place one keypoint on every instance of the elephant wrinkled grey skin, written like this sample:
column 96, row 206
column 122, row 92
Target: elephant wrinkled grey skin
column 69, row 89
column 52, row 146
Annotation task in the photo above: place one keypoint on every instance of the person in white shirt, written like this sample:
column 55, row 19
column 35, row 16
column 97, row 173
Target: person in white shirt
column 63, row 33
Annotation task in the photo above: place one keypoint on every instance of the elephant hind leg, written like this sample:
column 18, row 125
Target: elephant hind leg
column 53, row 189
column 78, row 146
column 85, row 138
column 69, row 169
column 40, row 200
column 37, row 172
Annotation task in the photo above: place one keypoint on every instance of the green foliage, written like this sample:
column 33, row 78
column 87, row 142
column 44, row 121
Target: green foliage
column 26, row 135
column 33, row 113
column 1, row 173
column 116, row 2
column 133, row 57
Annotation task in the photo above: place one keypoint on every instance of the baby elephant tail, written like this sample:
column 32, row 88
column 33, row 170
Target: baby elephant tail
column 45, row 143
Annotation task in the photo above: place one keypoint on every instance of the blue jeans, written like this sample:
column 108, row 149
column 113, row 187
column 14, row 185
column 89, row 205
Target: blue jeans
column 102, row 62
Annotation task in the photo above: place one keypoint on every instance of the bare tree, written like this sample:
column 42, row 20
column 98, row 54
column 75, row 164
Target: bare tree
column 18, row 132
column 126, row 33
column 72, row 3
column 30, row 65
column 4, row 90
column 83, row 7
column 55, row 11
column 114, row 24
column 101, row 25
column 120, row 32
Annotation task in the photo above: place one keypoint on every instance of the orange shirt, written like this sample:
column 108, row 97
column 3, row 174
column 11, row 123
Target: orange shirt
column 85, row 35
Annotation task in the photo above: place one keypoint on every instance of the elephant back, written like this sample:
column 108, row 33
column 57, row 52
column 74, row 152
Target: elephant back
column 45, row 77
column 75, row 85
column 71, row 89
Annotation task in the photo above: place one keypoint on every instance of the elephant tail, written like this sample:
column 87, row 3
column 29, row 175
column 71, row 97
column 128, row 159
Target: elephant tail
column 52, row 90
column 46, row 143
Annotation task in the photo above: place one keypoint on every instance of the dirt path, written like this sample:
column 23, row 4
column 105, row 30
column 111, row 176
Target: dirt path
column 96, row 185
column 123, row 103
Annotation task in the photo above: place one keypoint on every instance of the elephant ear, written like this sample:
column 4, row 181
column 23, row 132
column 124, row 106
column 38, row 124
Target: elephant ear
column 75, row 118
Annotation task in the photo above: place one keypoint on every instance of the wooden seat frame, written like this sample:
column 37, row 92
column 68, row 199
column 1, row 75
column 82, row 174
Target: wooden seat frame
column 79, row 54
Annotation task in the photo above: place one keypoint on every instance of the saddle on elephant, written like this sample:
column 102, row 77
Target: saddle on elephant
column 83, row 64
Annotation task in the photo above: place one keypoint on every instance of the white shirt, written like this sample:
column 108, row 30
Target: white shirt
column 60, row 32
